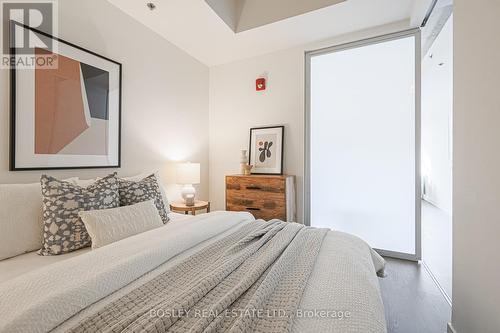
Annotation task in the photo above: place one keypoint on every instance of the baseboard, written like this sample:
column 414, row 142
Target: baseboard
column 438, row 285
column 451, row 329
column 429, row 200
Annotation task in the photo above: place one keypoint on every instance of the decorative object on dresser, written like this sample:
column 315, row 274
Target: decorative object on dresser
column 248, row 169
column 243, row 161
column 266, row 150
column 65, row 114
column 187, row 175
column 265, row 196
column 182, row 207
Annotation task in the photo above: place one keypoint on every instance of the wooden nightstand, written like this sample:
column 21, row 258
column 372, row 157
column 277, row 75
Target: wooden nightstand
column 198, row 205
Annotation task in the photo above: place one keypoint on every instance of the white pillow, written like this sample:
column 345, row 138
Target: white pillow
column 110, row 225
column 21, row 226
column 160, row 183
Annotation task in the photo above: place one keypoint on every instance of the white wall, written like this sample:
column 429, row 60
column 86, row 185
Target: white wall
column 165, row 94
column 235, row 107
column 476, row 171
column 437, row 109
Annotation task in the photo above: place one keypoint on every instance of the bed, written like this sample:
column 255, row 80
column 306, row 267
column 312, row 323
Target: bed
column 42, row 294
column 13, row 267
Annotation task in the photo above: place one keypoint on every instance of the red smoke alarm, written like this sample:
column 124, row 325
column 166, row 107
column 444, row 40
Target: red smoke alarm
column 260, row 84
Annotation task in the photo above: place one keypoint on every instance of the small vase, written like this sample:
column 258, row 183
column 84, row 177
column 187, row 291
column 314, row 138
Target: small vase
column 243, row 161
column 248, row 169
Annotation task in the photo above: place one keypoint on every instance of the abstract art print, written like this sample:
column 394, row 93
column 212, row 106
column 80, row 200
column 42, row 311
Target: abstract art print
column 66, row 115
column 266, row 150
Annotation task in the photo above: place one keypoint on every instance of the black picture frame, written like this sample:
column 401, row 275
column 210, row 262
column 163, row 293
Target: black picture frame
column 13, row 71
column 282, row 148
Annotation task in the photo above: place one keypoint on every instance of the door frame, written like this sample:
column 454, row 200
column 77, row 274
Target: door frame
column 418, row 91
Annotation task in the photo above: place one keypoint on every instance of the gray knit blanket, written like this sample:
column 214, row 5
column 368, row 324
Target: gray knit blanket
column 249, row 281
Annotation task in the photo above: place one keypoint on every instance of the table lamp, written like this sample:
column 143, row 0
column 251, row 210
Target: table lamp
column 187, row 175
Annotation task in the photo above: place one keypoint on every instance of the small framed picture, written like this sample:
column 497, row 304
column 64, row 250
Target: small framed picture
column 266, row 150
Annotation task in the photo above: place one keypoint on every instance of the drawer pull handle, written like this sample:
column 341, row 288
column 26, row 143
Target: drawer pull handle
column 250, row 208
column 253, row 187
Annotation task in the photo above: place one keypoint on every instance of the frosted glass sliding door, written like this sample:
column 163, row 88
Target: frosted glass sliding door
column 363, row 142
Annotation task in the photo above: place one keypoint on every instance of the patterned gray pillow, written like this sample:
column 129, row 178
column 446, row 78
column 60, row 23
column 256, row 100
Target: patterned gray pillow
column 63, row 230
column 132, row 192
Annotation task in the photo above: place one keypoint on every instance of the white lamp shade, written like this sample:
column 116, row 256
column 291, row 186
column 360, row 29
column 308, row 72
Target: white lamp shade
column 188, row 173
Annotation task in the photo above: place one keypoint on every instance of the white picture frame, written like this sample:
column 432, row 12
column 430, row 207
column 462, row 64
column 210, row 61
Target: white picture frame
column 266, row 150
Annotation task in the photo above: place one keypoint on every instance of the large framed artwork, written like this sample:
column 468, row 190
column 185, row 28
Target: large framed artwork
column 266, row 150
column 66, row 114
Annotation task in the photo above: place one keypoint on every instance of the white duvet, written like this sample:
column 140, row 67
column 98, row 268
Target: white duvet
column 342, row 294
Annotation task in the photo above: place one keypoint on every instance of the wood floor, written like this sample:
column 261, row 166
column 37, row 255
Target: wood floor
column 413, row 302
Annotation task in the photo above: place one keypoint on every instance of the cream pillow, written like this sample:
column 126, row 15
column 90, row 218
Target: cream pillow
column 110, row 225
column 21, row 226
column 20, row 219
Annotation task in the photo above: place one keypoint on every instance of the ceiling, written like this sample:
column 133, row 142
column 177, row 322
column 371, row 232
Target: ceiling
column 197, row 28
column 241, row 15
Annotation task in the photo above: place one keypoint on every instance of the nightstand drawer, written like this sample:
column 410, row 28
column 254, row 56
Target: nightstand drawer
column 267, row 211
column 255, row 195
column 264, row 208
column 256, row 185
